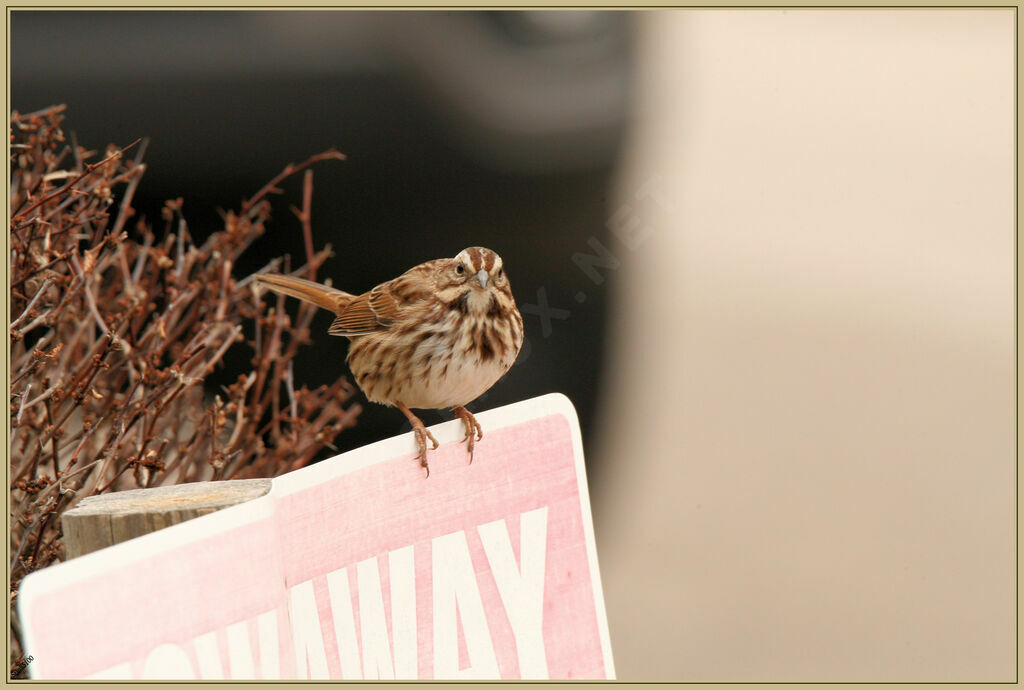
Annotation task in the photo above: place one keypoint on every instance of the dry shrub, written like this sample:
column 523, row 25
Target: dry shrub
column 114, row 329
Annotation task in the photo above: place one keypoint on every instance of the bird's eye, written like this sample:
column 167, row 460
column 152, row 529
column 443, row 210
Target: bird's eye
column 459, row 269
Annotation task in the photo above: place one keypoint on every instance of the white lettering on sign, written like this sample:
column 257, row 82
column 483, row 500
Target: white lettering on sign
column 403, row 613
column 167, row 661
column 270, row 659
column 456, row 594
column 240, row 663
column 372, row 627
column 372, row 653
column 208, row 657
column 521, row 588
column 307, row 635
column 344, row 624
column 119, row 672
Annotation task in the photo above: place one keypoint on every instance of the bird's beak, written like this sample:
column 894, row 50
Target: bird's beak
column 482, row 276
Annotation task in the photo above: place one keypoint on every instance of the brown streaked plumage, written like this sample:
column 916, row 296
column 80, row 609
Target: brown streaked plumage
column 437, row 336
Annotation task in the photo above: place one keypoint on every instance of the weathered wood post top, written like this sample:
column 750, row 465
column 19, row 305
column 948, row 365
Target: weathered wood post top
column 101, row 521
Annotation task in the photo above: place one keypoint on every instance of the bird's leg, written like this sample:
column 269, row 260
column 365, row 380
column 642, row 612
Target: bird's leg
column 421, row 434
column 473, row 431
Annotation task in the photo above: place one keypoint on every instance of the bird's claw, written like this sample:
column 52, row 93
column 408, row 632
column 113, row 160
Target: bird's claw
column 474, row 432
column 422, row 434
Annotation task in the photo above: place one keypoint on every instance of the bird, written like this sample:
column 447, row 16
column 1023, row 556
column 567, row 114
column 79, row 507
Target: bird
column 436, row 337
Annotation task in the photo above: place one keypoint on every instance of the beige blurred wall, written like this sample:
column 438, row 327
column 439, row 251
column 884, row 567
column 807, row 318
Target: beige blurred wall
column 809, row 421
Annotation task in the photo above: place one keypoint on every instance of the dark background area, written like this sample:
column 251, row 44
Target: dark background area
column 499, row 129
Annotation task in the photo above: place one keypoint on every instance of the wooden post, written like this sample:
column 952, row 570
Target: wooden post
column 100, row 521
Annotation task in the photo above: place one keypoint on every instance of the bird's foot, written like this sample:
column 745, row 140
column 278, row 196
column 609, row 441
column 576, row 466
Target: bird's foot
column 473, row 430
column 421, row 434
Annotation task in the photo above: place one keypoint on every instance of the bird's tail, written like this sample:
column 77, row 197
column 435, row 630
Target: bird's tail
column 321, row 295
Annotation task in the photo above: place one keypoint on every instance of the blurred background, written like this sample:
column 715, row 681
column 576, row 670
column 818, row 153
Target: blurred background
column 499, row 129
column 770, row 254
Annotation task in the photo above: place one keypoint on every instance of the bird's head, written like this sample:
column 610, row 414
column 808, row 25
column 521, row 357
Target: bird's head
column 476, row 276
column 478, row 267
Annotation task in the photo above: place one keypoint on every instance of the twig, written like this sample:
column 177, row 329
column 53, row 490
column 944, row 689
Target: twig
column 292, row 406
column 249, row 206
column 21, row 548
column 129, row 193
column 28, row 307
column 63, row 257
column 43, row 396
column 141, row 260
column 304, row 216
column 93, row 308
column 21, row 408
column 18, row 118
column 89, row 169
column 53, row 441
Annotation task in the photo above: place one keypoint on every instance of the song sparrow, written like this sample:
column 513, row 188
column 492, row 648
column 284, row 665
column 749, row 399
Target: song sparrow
column 437, row 336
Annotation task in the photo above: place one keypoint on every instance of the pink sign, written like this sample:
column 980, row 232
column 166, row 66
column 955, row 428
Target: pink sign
column 355, row 568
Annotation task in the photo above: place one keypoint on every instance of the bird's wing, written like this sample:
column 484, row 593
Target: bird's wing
column 383, row 306
column 369, row 312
